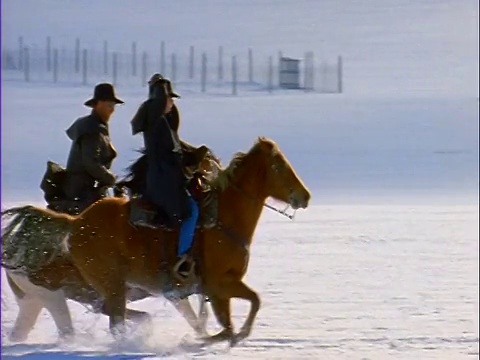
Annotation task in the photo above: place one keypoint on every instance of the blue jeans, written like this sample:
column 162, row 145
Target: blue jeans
column 187, row 230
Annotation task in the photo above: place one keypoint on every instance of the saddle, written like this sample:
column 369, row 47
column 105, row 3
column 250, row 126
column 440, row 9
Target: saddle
column 53, row 181
column 144, row 213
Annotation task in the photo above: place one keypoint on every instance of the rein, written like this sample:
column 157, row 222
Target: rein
column 283, row 212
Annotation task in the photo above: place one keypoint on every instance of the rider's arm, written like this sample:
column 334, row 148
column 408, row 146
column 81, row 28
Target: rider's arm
column 90, row 147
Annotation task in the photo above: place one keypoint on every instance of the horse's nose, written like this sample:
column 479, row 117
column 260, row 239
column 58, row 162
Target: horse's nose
column 300, row 200
column 305, row 199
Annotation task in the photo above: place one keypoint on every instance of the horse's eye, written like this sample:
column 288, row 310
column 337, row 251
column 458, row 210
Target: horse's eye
column 276, row 167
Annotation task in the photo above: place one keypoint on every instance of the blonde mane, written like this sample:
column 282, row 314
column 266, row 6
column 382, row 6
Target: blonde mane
column 225, row 175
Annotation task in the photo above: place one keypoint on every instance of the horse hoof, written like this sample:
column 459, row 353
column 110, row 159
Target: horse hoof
column 201, row 333
column 66, row 335
column 17, row 338
column 221, row 336
column 234, row 341
column 237, row 338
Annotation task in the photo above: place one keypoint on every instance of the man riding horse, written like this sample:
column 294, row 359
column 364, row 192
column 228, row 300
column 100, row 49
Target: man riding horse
column 87, row 176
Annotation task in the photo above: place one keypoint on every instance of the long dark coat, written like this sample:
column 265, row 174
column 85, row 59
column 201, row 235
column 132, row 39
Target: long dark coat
column 165, row 179
column 89, row 161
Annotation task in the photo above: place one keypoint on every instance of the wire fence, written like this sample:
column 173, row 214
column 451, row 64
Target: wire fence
column 202, row 72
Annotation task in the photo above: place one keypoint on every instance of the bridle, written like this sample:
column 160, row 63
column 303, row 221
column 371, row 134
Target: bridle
column 231, row 233
column 277, row 169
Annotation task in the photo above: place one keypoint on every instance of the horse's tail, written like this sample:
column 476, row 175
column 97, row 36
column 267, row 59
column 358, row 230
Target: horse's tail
column 13, row 223
column 32, row 237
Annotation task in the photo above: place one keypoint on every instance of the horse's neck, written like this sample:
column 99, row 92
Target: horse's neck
column 241, row 205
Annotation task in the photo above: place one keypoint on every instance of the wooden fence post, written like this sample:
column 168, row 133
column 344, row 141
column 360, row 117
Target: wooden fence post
column 105, row 57
column 339, row 75
column 77, row 55
column 49, row 53
column 309, row 72
column 204, row 72
column 174, row 68
column 162, row 58
column 134, row 58
column 26, row 63
column 114, row 68
column 55, row 65
column 192, row 62
column 270, row 74
column 144, row 68
column 220, row 63
column 84, row 66
column 21, row 50
column 234, row 75
column 250, row 65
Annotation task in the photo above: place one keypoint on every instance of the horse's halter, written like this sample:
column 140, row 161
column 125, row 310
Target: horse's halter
column 277, row 168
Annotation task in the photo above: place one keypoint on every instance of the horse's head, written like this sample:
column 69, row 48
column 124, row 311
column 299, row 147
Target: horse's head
column 281, row 181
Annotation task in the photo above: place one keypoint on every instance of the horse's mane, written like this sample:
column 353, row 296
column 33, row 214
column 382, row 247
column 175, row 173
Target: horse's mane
column 136, row 171
column 226, row 175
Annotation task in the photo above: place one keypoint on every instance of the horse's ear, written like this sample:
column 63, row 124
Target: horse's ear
column 266, row 144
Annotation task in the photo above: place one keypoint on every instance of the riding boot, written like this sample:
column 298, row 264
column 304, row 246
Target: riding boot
column 209, row 211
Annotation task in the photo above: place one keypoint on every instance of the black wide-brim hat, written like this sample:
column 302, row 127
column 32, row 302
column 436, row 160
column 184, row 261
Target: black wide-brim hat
column 159, row 79
column 103, row 92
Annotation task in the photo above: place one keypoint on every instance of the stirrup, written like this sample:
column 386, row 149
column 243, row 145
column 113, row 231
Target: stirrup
column 183, row 276
column 209, row 223
column 144, row 223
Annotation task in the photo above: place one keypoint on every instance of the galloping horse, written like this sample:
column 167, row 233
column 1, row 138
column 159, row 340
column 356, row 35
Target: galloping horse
column 110, row 253
column 41, row 275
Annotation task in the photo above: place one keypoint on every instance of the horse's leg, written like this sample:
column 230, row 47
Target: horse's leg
column 130, row 314
column 203, row 314
column 184, row 307
column 221, row 309
column 237, row 289
column 29, row 309
column 113, row 289
column 115, row 306
column 56, row 304
column 107, row 277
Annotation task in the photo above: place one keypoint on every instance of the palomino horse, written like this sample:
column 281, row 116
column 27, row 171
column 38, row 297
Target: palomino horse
column 109, row 253
column 31, row 298
column 41, row 275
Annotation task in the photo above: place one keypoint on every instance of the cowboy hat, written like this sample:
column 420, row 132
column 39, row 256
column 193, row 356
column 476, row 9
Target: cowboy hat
column 159, row 79
column 103, row 92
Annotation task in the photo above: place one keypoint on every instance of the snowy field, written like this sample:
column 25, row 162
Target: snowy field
column 342, row 282
column 384, row 264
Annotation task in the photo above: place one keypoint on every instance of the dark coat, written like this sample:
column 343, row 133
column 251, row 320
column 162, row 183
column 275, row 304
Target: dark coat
column 89, row 161
column 165, row 179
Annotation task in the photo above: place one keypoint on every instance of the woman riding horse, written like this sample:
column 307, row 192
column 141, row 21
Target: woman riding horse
column 166, row 181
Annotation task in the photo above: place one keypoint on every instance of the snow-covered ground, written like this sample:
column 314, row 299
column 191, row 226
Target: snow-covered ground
column 385, row 262
column 341, row 282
